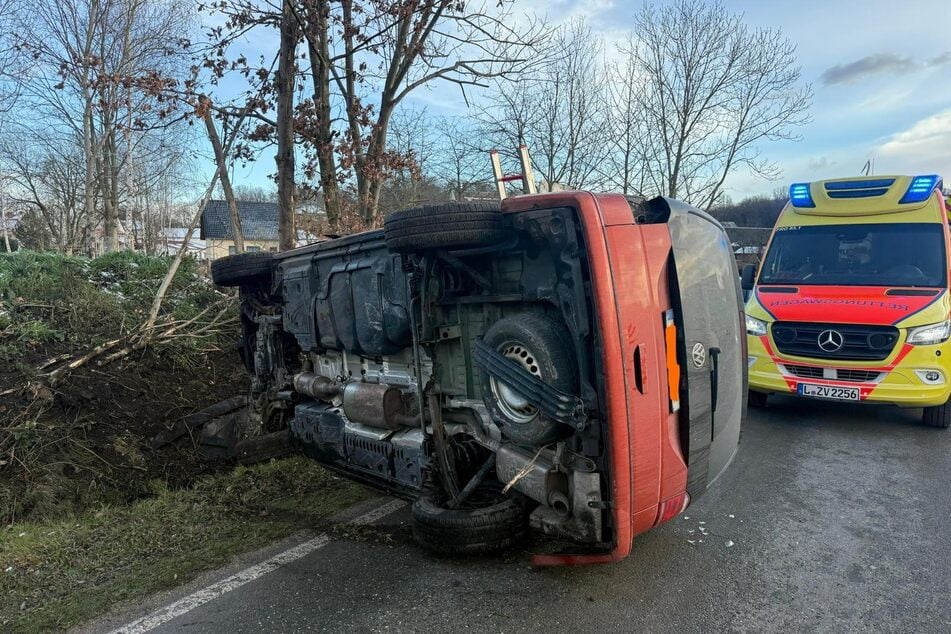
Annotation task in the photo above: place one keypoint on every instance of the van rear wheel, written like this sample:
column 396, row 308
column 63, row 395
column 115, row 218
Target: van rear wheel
column 938, row 416
column 487, row 522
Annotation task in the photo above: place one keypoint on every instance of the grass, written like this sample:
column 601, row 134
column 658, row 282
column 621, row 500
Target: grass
column 57, row 574
column 90, row 515
column 86, row 440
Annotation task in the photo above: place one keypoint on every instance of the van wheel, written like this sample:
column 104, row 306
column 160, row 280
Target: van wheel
column 757, row 399
column 939, row 416
column 488, row 523
column 243, row 269
column 542, row 347
column 444, row 226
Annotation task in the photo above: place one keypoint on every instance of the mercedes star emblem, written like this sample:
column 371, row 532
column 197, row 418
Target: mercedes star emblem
column 830, row 340
column 699, row 354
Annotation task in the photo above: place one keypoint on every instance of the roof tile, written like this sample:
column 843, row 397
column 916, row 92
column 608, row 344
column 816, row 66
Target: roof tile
column 258, row 221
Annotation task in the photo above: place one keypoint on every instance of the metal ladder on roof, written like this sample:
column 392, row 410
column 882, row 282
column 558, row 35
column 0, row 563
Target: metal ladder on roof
column 527, row 176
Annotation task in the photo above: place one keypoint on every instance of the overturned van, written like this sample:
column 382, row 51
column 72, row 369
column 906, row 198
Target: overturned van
column 568, row 363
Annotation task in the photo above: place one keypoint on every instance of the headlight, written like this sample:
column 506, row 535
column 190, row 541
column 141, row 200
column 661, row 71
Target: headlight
column 922, row 335
column 755, row 327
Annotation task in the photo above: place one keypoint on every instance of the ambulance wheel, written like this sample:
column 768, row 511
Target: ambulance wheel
column 757, row 399
column 939, row 416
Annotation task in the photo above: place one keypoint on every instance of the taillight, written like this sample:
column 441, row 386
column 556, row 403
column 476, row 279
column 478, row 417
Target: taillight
column 672, row 507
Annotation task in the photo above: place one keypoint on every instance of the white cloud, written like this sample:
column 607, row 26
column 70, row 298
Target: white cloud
column 924, row 147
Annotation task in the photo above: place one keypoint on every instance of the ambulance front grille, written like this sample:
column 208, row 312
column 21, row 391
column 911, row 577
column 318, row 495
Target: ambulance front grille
column 858, row 342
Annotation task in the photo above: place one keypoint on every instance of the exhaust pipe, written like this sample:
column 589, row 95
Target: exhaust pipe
column 374, row 404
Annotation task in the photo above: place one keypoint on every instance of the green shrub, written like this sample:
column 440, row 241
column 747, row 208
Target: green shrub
column 48, row 298
column 37, row 332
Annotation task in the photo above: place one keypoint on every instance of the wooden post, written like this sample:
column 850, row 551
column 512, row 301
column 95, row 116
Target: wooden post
column 221, row 160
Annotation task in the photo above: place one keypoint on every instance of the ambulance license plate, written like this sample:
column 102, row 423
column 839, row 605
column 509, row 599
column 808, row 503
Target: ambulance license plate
column 829, row 391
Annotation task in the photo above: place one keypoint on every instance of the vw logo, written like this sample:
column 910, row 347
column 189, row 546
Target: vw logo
column 830, row 340
column 699, row 354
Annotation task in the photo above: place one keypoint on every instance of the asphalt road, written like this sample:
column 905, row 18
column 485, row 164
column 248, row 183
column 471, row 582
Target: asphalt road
column 838, row 518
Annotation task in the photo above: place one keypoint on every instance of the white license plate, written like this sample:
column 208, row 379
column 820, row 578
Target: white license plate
column 829, row 391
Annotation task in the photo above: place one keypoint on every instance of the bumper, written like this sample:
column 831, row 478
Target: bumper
column 898, row 381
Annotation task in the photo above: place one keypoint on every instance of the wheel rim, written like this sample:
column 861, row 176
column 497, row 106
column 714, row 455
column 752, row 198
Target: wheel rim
column 515, row 407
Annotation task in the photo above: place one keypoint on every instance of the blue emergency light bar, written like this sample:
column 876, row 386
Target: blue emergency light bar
column 920, row 189
column 800, row 196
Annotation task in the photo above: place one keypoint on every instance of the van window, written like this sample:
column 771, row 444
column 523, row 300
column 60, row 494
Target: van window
column 886, row 254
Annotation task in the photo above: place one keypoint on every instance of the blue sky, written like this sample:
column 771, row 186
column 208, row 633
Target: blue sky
column 880, row 73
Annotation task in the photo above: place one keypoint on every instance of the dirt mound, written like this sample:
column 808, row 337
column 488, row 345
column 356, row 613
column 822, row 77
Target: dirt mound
column 85, row 440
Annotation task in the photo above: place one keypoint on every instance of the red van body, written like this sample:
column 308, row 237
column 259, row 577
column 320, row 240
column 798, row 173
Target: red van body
column 642, row 296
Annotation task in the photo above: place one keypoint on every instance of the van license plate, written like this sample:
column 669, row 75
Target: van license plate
column 828, row 391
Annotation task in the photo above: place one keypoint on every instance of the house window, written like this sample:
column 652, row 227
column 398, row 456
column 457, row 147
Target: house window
column 232, row 249
column 253, row 249
column 273, row 249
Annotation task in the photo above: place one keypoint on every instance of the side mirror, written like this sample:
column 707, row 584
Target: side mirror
column 748, row 277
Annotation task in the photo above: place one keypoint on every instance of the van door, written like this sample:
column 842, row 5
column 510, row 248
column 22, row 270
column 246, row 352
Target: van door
column 712, row 326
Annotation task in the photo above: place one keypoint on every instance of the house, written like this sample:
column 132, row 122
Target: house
column 258, row 226
column 171, row 240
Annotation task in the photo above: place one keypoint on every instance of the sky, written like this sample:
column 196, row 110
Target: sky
column 880, row 72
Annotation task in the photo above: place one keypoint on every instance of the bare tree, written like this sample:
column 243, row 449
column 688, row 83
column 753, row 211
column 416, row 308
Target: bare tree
column 81, row 66
column 365, row 58
column 9, row 65
column 625, row 168
column 559, row 112
column 714, row 90
column 49, row 179
column 458, row 162
column 254, row 194
column 412, row 138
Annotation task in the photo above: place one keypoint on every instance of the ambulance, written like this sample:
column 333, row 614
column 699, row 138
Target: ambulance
column 851, row 301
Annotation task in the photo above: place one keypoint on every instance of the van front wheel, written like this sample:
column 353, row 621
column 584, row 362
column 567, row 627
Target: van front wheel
column 939, row 416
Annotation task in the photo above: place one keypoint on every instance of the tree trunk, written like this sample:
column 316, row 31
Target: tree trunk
column 370, row 173
column 3, row 219
column 111, row 189
column 285, row 80
column 320, row 75
column 221, row 160
column 89, row 179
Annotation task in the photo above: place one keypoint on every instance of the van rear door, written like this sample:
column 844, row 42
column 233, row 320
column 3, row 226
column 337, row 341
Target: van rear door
column 712, row 325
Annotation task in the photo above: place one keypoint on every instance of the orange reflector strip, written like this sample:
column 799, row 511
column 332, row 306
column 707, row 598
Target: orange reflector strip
column 673, row 367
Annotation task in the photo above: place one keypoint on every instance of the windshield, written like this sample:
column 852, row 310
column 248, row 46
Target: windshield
column 857, row 255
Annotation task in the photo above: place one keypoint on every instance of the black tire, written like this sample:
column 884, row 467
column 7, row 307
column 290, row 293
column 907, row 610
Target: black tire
column 243, row 269
column 445, row 226
column 543, row 346
column 938, row 416
column 757, row 399
column 499, row 525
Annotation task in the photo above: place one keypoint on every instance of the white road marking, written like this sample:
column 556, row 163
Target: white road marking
column 226, row 585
